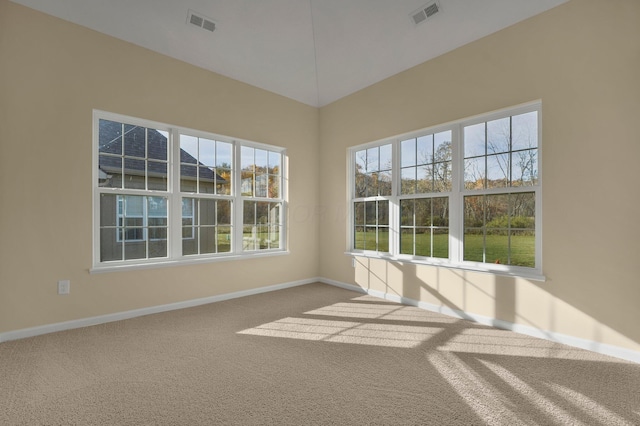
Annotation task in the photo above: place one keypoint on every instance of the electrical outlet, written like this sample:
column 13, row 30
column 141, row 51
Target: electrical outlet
column 64, row 286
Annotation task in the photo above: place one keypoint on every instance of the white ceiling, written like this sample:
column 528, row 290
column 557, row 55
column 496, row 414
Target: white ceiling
column 313, row 51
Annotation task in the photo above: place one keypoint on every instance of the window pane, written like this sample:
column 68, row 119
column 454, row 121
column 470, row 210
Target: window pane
column 208, row 239
column 188, row 149
column 473, row 245
column 109, row 137
column 372, row 184
column 224, row 156
column 383, row 213
column 249, row 213
column 497, row 246
column 408, row 153
column 224, row 212
column 134, row 249
column 207, row 213
column 407, row 212
column 261, row 160
column 442, row 177
column 474, row 140
column 249, row 238
column 109, row 171
column 188, row 178
column 274, row 237
column 523, row 248
column 358, row 215
column 423, row 212
column 497, row 211
column 246, row 187
column 110, row 245
column 246, row 158
column 223, row 181
column 261, row 183
column 275, row 162
column 371, row 213
column 207, row 152
column 525, row 168
column 424, row 150
column 361, row 161
column 384, row 183
column 408, row 176
column 206, row 180
column 440, row 211
column 474, row 212
column 359, row 237
column 442, row 147
column 134, row 141
column 157, row 144
column 157, row 176
column 134, row 171
column 224, row 239
column 108, row 210
column 190, row 240
column 385, row 157
column 372, row 160
column 499, row 135
column 158, row 246
column 360, row 184
column 423, row 242
column 262, row 213
column 525, row 131
column 383, row 239
column 474, row 173
column 497, row 171
column 424, row 182
column 406, row 241
column 440, row 243
column 523, row 210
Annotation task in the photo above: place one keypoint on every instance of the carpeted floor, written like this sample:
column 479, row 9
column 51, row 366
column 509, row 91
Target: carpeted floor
column 314, row 354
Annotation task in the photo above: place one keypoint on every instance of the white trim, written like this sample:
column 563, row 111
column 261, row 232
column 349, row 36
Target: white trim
column 119, row 316
column 578, row 342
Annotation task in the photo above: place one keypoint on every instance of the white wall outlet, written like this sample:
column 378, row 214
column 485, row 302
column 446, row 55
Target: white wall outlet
column 64, row 286
column 353, row 262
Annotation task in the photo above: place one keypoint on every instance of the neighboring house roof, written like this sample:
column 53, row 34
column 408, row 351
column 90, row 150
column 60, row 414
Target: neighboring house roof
column 110, row 135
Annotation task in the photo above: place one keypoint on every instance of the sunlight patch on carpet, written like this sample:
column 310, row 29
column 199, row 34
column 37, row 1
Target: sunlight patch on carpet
column 501, row 342
column 588, row 406
column 380, row 311
column 351, row 332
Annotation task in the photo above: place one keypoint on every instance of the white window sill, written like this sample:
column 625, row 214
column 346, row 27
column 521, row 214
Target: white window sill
column 503, row 270
column 117, row 266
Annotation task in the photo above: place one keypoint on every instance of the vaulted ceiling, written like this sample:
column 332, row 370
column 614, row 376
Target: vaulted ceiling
column 313, row 51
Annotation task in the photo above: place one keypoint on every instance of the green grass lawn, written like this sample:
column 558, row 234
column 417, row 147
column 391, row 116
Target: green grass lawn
column 495, row 250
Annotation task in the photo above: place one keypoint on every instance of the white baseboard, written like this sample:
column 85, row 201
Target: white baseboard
column 102, row 319
column 577, row 342
column 590, row 345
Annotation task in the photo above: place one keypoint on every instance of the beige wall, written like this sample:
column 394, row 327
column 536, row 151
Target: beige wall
column 581, row 59
column 52, row 75
column 583, row 62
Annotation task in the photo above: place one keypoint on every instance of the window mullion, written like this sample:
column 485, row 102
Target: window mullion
column 456, row 205
column 238, row 204
column 175, row 197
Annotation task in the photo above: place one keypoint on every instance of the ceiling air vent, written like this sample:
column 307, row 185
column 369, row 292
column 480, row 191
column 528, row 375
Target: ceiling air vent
column 425, row 12
column 199, row 20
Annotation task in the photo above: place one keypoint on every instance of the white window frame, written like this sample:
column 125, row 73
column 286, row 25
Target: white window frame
column 174, row 199
column 456, row 199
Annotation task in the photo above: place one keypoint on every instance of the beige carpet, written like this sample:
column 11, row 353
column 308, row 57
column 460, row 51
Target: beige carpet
column 314, row 354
